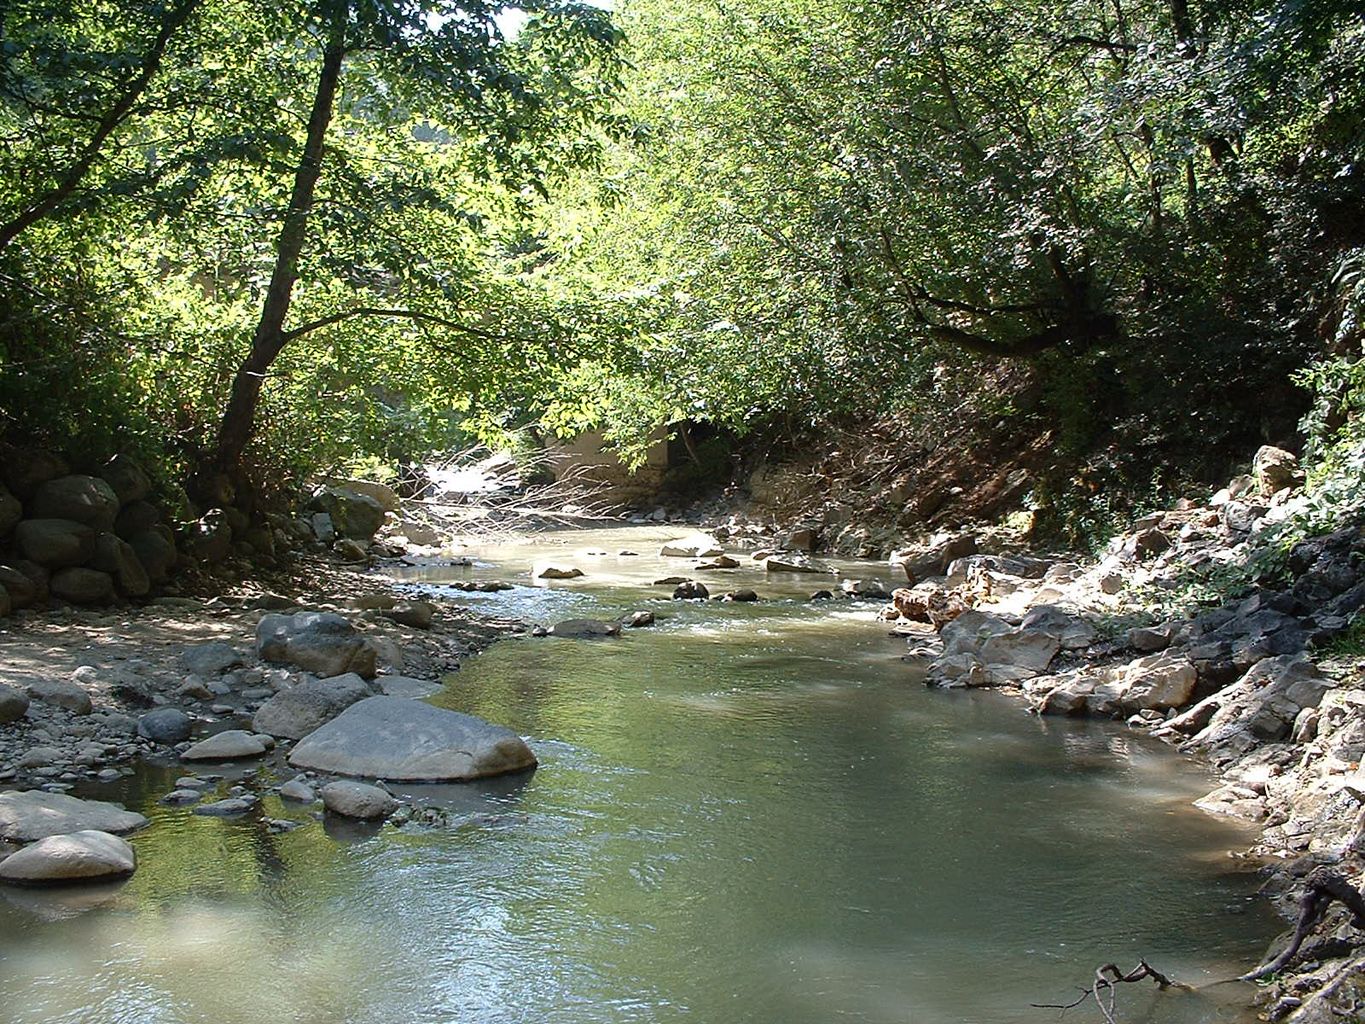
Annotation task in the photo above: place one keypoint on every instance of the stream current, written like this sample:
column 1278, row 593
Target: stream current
column 746, row 814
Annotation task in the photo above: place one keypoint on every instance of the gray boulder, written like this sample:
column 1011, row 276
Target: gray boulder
column 232, row 807
column 126, row 478
column 553, row 571
column 298, row 790
column 13, row 704
column 167, row 726
column 691, row 590
column 357, row 800
column 933, row 558
column 61, row 693
column 393, row 738
column 211, row 659
column 117, row 557
column 697, row 545
column 226, row 746
column 55, row 543
column 980, row 649
column 82, row 586
column 321, row 525
column 155, row 549
column 323, row 643
column 355, row 516
column 416, row 614
column 296, row 712
column 1262, row 705
column 85, row 856
column 83, row 499
column 33, row 814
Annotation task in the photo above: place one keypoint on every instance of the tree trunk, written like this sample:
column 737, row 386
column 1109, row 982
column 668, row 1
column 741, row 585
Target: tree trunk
column 47, row 202
column 239, row 418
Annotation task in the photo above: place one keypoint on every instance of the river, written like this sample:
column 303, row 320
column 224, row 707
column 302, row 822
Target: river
column 746, row 813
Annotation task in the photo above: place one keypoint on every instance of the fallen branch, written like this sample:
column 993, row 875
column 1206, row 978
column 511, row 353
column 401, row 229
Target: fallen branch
column 1107, row 979
column 1324, row 887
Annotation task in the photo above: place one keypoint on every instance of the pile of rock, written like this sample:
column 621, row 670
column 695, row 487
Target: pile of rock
column 83, row 539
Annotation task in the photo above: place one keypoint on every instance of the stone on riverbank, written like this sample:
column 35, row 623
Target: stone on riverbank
column 406, row 740
column 55, row 543
column 554, row 571
column 296, row 712
column 320, row 642
column 211, row 659
column 167, row 726
column 13, row 704
column 33, row 814
column 358, row 800
column 61, row 693
column 85, row 856
column 226, row 746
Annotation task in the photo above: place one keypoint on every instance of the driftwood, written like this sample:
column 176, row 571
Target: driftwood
column 1107, row 979
column 1324, row 887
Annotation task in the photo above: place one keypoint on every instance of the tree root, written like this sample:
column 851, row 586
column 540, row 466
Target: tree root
column 1324, row 886
column 1107, row 979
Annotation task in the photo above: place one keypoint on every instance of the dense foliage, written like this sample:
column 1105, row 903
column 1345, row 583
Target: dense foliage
column 372, row 227
column 840, row 208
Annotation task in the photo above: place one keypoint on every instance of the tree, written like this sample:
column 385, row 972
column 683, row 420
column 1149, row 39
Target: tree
column 450, row 65
column 69, row 84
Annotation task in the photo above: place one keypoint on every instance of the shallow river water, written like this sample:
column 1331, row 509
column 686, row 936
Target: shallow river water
column 748, row 813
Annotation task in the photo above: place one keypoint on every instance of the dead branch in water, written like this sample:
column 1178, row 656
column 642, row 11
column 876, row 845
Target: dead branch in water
column 1324, row 887
column 1107, row 979
column 574, row 498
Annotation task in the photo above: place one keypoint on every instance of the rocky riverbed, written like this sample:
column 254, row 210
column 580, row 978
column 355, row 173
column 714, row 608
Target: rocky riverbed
column 84, row 694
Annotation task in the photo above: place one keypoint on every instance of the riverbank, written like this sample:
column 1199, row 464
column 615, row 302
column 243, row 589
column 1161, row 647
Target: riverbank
column 1219, row 628
column 82, row 680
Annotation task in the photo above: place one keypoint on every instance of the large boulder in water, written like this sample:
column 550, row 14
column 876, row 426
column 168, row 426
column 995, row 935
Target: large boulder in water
column 406, row 740
column 85, row 856
column 299, row 710
column 33, row 814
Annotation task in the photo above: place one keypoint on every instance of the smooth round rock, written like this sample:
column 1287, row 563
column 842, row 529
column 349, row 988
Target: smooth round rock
column 358, row 800
column 394, row 738
column 226, row 746
column 29, row 815
column 167, row 726
column 13, row 704
column 85, row 856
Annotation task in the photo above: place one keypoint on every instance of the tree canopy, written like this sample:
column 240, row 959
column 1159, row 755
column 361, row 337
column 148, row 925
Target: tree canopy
column 268, row 237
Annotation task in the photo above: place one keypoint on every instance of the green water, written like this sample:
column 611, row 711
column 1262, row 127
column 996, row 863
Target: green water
column 749, row 813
